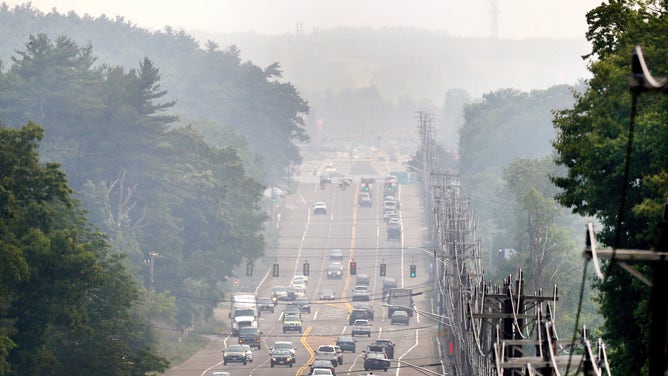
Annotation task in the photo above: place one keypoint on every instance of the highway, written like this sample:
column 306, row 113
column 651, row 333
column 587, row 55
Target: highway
column 360, row 233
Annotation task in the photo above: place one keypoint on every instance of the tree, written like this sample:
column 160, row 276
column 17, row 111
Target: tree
column 591, row 143
column 66, row 305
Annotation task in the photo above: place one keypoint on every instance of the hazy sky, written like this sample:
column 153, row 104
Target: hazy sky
column 514, row 18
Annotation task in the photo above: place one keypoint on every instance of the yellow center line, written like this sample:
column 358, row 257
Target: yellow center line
column 308, row 348
column 353, row 236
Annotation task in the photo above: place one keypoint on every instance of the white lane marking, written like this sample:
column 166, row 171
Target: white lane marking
column 301, row 244
column 409, row 350
column 401, row 221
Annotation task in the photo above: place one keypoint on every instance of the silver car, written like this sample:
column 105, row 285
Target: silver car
column 249, row 353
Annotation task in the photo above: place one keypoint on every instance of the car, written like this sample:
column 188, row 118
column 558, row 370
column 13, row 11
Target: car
column 335, row 271
column 356, row 314
column 367, row 307
column 394, row 222
column 346, row 343
column 399, row 317
column 251, row 337
column 280, row 292
column 292, row 293
column 325, row 179
column 390, row 204
column 327, row 352
column 326, row 294
column 249, row 353
column 387, row 346
column 329, row 169
column 339, row 354
column 321, row 372
column 283, row 357
column 361, row 293
column 304, row 305
column 365, row 202
column 300, row 291
column 292, row 309
column 292, row 323
column 300, row 277
column 336, row 254
column 392, row 217
column 320, row 208
column 387, row 213
column 298, row 283
column 322, row 364
column 361, row 327
column 265, row 305
column 234, row 354
column 284, row 345
column 388, row 283
column 362, row 279
column 376, row 361
column 394, row 232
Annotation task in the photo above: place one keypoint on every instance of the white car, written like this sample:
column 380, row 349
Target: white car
column 298, row 282
column 300, row 291
column 320, row 208
column 361, row 293
column 300, row 277
column 322, row 372
column 249, row 353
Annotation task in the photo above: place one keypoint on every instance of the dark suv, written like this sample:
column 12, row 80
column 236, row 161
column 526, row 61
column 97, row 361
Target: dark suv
column 346, row 343
column 303, row 304
column 251, row 337
column 356, row 314
column 265, row 305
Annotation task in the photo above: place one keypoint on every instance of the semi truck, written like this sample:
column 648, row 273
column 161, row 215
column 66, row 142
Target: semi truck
column 400, row 300
column 243, row 312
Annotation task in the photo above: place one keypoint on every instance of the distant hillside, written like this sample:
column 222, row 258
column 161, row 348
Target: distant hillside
column 410, row 62
column 362, row 85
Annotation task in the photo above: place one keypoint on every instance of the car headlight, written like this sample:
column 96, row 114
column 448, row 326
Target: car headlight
column 289, row 359
column 273, row 359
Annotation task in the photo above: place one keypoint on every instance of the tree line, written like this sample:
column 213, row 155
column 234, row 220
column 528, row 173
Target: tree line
column 526, row 172
column 126, row 216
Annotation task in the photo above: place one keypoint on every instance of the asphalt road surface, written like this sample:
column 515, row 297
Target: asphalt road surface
column 360, row 233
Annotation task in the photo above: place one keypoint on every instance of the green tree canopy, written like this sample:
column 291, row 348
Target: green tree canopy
column 591, row 143
column 67, row 306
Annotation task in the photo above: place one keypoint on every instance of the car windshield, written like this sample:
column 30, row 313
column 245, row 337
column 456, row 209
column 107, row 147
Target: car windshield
column 235, row 348
column 281, row 352
column 283, row 346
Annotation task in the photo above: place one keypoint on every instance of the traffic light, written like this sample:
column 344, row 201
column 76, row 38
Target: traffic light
column 383, row 270
column 366, row 187
column 274, row 271
column 249, row 268
column 353, row 268
column 305, row 269
column 413, row 270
